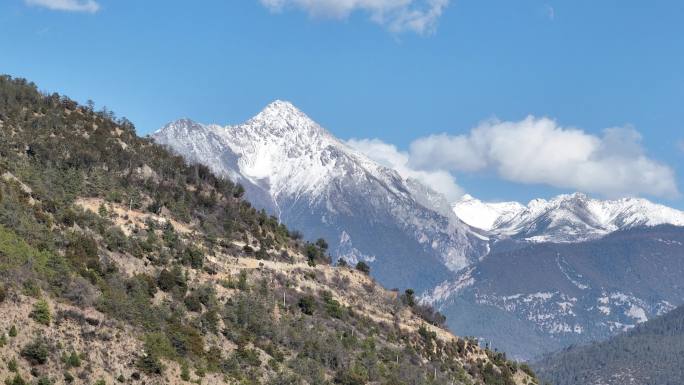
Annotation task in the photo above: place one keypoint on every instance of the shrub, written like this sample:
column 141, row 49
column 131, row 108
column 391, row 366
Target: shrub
column 209, row 321
column 12, row 365
column 186, row 340
column 322, row 244
column 242, row 281
column 68, row 377
column 13, row 331
column 261, row 254
column 73, row 360
column 115, row 239
column 102, row 210
column 169, row 235
column 3, row 340
column 185, row 372
column 206, row 295
column 193, row 257
column 44, row 381
column 332, row 306
column 306, row 304
column 248, row 356
column 312, row 253
column 41, row 313
column 31, row 288
column 363, row 267
column 3, row 293
column 82, row 252
column 168, row 280
column 158, row 345
column 348, row 377
column 409, row 298
column 16, row 380
column 150, row 364
column 429, row 314
column 426, row 334
column 192, row 303
column 143, row 282
column 36, row 352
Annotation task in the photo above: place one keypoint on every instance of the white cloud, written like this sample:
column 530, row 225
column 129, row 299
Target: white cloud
column 388, row 155
column 90, row 6
column 538, row 150
column 397, row 15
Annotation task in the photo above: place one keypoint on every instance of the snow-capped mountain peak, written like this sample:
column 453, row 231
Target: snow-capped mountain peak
column 314, row 182
column 281, row 116
column 182, row 124
column 564, row 218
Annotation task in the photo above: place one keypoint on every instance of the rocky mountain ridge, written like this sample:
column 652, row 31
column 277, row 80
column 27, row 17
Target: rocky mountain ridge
column 565, row 218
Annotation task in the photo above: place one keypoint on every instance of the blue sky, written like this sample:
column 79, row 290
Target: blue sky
column 370, row 73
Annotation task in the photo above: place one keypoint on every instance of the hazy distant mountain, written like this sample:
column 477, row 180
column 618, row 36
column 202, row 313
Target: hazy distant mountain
column 650, row 354
column 314, row 182
column 545, row 296
column 565, row 218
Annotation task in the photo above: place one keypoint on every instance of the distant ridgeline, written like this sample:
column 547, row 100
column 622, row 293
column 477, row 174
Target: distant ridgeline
column 121, row 263
column 650, row 354
column 532, row 299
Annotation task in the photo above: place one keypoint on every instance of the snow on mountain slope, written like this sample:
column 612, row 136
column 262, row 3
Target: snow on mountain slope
column 485, row 215
column 565, row 218
column 314, row 182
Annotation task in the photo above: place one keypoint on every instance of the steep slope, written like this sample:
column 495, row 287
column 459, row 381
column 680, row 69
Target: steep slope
column 650, row 354
column 565, row 218
column 312, row 181
column 543, row 297
column 120, row 263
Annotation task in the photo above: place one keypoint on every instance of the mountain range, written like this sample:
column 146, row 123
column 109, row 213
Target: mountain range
column 530, row 278
column 565, row 218
column 536, row 298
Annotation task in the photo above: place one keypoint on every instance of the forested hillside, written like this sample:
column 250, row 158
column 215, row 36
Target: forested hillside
column 119, row 263
column 650, row 354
